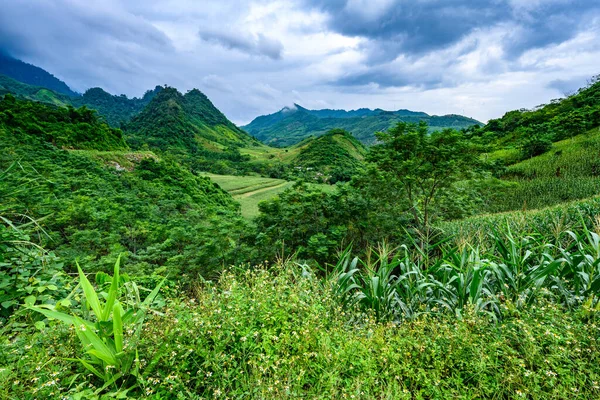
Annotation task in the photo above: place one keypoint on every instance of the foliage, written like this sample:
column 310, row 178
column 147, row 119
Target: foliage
column 336, row 151
column 183, row 123
column 116, row 110
column 423, row 164
column 63, row 127
column 109, row 339
column 34, row 93
column 511, row 276
column 103, row 203
column 535, row 146
column 569, row 172
column 561, row 119
column 280, row 332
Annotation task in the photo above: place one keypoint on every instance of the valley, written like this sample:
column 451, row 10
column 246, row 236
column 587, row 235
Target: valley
column 151, row 248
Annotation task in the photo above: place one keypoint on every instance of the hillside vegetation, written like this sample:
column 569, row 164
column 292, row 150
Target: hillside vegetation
column 291, row 125
column 29, row 92
column 96, row 197
column 187, row 123
column 128, row 271
column 116, row 110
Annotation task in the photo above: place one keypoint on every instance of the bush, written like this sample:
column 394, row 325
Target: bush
column 535, row 146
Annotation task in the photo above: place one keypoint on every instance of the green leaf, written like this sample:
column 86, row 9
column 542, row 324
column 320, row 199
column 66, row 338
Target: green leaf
column 30, row 300
column 90, row 294
column 40, row 325
column 113, row 292
column 100, row 349
column 118, row 327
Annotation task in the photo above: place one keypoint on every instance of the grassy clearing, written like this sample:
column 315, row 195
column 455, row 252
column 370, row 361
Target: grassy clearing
column 251, row 190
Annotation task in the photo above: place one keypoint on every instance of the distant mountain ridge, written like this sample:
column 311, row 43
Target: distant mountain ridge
column 32, row 75
column 291, row 125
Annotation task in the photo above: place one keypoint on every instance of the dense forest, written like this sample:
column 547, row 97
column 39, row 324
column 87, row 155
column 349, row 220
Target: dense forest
column 150, row 248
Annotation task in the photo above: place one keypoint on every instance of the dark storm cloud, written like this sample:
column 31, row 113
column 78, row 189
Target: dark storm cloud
column 92, row 43
column 415, row 27
column 255, row 45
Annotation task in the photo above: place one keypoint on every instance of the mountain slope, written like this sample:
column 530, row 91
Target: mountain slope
column 558, row 120
column 32, row 75
column 30, row 92
column 95, row 199
column 184, row 123
column 293, row 124
column 62, row 127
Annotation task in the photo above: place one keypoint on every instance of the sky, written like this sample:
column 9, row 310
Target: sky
column 479, row 58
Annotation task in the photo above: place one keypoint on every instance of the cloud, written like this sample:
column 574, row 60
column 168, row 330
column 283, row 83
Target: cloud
column 258, row 44
column 415, row 27
column 252, row 57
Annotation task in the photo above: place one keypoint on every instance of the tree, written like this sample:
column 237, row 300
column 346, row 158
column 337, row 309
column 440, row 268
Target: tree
column 535, row 146
column 424, row 165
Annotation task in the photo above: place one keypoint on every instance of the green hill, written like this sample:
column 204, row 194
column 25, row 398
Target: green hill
column 292, row 125
column 32, row 75
column 64, row 127
column 186, row 123
column 115, row 110
column 335, row 156
column 558, row 120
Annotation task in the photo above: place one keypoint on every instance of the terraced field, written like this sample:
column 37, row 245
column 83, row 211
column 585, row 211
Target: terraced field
column 251, row 190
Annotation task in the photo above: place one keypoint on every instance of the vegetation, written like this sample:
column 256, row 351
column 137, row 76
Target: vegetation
column 333, row 157
column 399, row 281
column 292, row 125
column 100, row 203
column 116, row 110
column 35, row 93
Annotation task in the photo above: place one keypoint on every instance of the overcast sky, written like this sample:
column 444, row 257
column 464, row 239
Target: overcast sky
column 479, row 58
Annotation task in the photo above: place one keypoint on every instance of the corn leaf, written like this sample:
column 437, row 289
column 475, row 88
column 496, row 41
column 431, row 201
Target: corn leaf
column 90, row 294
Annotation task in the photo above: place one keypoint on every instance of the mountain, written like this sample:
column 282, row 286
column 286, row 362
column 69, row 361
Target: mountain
column 115, row 109
column 32, row 75
column 30, row 92
column 188, row 123
column 290, row 125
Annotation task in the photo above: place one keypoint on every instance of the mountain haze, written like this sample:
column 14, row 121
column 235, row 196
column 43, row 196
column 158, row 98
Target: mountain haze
column 290, row 125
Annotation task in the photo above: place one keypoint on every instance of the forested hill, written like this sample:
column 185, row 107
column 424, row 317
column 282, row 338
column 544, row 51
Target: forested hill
column 188, row 123
column 336, row 154
column 32, row 75
column 558, row 120
column 30, row 92
column 102, row 197
column 293, row 124
column 115, row 109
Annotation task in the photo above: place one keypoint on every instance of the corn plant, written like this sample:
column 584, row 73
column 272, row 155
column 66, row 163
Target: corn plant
column 109, row 354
